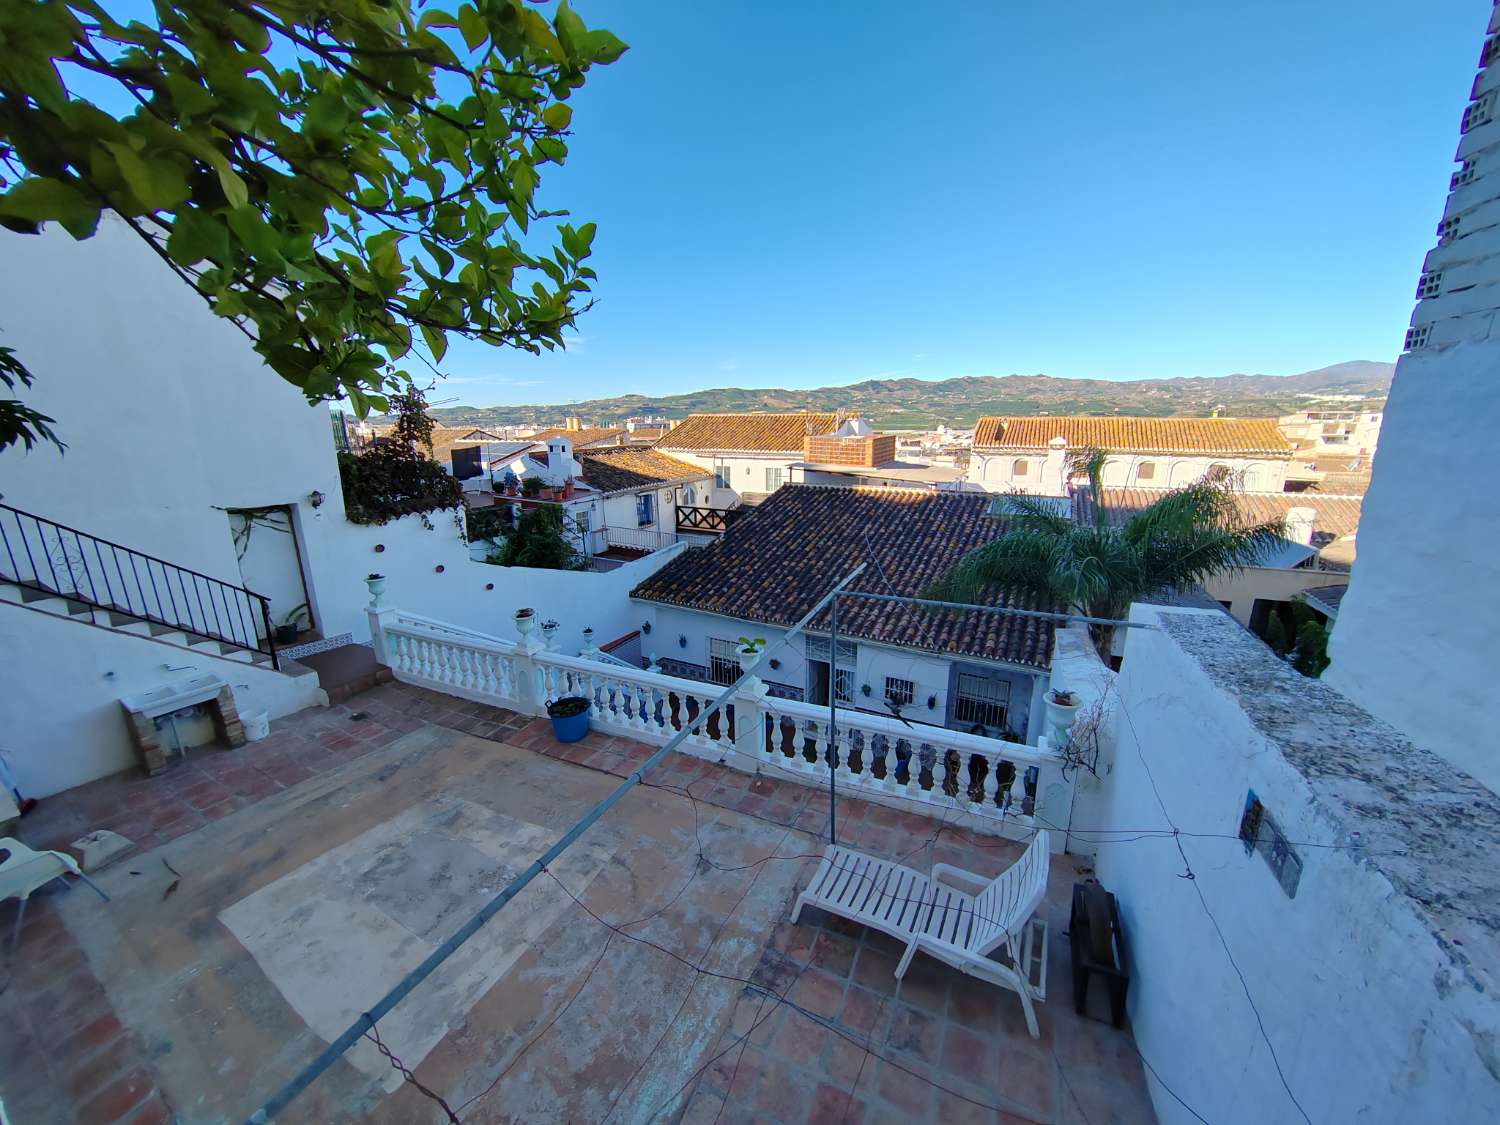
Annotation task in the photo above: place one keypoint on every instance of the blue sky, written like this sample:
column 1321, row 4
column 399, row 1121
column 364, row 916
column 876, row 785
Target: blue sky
column 811, row 194
column 802, row 195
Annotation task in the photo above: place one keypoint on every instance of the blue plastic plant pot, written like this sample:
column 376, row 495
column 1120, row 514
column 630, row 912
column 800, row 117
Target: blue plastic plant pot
column 570, row 728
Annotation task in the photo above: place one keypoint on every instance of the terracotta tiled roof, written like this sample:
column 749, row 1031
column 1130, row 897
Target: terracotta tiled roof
column 1209, row 436
column 1337, row 516
column 581, row 438
column 614, row 470
column 774, row 564
column 746, row 433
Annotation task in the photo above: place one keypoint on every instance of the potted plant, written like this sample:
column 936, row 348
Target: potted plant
column 1062, row 705
column 525, row 618
column 588, row 638
column 749, row 651
column 570, row 717
column 376, row 583
column 286, row 632
column 531, row 487
column 549, row 633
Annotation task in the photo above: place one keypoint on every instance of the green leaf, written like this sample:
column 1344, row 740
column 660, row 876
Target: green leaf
column 557, row 116
column 437, row 342
column 471, row 24
column 603, row 48
column 157, row 182
column 235, row 191
column 197, row 237
column 44, row 200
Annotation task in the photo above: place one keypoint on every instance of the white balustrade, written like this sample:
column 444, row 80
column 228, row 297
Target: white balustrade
column 1000, row 784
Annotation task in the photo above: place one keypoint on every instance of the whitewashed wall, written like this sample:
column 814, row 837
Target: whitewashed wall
column 996, row 472
column 670, row 626
column 1415, row 641
column 60, row 685
column 747, row 473
column 1241, row 588
column 1370, row 1018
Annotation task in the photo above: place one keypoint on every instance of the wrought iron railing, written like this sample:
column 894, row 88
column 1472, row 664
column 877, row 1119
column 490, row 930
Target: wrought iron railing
column 706, row 519
column 43, row 555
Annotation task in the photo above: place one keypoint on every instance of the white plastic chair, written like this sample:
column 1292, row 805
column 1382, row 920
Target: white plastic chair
column 23, row 870
column 957, row 927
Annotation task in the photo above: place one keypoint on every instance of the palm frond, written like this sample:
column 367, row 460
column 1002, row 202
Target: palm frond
column 1023, row 511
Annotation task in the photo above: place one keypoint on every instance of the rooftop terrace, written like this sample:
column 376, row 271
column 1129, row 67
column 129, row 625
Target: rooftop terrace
column 279, row 889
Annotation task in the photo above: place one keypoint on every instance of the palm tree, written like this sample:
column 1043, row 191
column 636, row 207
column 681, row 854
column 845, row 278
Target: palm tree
column 1098, row 568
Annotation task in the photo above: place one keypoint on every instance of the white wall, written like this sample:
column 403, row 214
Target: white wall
column 1372, row 1019
column 931, row 675
column 996, row 472
column 747, row 473
column 1415, row 640
column 60, row 718
column 170, row 418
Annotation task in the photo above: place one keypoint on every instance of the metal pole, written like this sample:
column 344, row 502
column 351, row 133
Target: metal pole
column 833, row 715
column 331, row 1054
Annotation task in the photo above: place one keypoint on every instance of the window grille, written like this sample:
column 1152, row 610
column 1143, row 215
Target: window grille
column 723, row 661
column 721, row 474
column 775, row 478
column 1430, row 285
column 981, row 700
column 816, row 648
column 1416, row 337
column 900, row 691
column 843, row 685
column 645, row 509
column 1463, row 177
column 1448, row 229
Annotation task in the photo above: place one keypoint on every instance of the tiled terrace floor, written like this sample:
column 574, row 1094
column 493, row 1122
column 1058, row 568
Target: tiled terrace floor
column 150, row 1009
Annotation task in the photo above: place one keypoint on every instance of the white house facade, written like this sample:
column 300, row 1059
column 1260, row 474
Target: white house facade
column 749, row 455
column 1030, row 454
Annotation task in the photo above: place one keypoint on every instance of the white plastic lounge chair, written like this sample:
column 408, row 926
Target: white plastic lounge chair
column 23, row 870
column 955, row 926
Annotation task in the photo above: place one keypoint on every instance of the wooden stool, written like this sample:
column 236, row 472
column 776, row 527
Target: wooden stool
column 1098, row 945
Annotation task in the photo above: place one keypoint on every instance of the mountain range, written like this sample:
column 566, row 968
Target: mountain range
column 919, row 403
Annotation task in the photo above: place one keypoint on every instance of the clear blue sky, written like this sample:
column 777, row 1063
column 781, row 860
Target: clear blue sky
column 810, row 194
column 806, row 194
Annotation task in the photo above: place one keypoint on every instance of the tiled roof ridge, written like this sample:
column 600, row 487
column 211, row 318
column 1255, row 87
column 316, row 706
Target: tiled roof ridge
column 1133, row 432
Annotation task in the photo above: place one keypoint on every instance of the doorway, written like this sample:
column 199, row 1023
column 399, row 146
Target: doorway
column 270, row 560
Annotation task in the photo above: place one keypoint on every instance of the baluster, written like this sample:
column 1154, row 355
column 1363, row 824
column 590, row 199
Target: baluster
column 843, row 775
column 1008, row 796
column 991, row 783
column 878, row 768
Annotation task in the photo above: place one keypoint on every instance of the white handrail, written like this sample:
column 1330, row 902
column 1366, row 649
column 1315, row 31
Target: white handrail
column 915, row 732
column 437, row 631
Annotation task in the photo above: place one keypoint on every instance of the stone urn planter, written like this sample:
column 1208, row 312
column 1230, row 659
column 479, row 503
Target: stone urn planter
column 376, row 584
column 549, row 635
column 525, row 621
column 1062, row 706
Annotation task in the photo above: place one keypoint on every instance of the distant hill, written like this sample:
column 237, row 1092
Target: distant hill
column 896, row 403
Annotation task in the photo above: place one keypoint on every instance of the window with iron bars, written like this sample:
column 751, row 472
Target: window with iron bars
column 723, row 661
column 900, row 691
column 981, row 701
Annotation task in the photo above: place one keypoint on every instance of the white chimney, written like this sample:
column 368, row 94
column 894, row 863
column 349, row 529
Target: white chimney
column 1054, row 470
column 562, row 466
column 1299, row 525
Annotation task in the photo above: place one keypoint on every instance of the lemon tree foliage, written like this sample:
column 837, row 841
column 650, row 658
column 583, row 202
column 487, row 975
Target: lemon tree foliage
column 349, row 181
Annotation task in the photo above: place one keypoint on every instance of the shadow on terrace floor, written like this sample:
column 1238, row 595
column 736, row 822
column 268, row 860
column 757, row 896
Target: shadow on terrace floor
column 194, row 1003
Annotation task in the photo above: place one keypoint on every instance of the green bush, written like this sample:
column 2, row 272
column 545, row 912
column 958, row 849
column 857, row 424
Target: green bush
column 539, row 541
column 1312, row 649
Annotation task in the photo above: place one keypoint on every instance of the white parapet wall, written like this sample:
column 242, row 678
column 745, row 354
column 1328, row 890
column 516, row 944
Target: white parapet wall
column 1375, row 983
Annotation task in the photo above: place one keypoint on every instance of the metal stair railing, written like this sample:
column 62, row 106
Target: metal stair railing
column 43, row 555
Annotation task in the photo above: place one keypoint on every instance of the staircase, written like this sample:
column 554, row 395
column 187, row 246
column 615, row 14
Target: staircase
column 51, row 568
